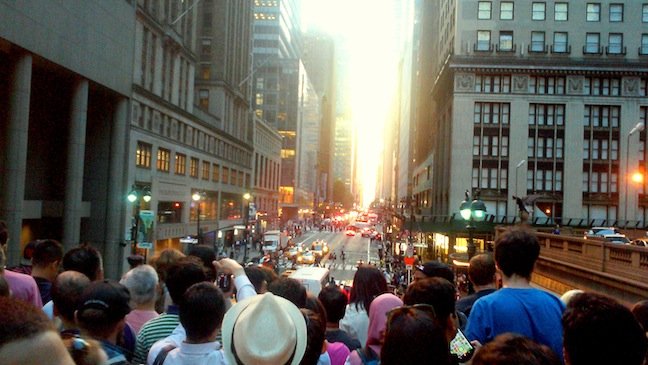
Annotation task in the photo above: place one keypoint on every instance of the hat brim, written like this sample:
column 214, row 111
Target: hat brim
column 227, row 329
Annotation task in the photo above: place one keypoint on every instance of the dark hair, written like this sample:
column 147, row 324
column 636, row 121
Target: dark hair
column 290, row 289
column 640, row 312
column 515, row 349
column 47, row 252
column 334, row 302
column 256, row 277
column 411, row 335
column 368, row 283
column 269, row 274
column 84, row 259
column 182, row 274
column 437, row 292
column 102, row 305
column 599, row 330
column 4, row 287
column 314, row 304
column 315, row 335
column 4, row 235
column 21, row 320
column 482, row 269
column 437, row 269
column 202, row 310
column 66, row 291
column 516, row 251
column 207, row 255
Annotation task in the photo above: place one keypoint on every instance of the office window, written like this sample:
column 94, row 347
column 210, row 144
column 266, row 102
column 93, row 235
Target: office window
column 506, row 10
column 180, row 164
column 205, row 170
column 538, row 11
column 483, row 40
column 206, row 46
column 484, row 10
column 537, row 41
column 193, row 168
column 594, row 12
column 560, row 42
column 489, row 145
column 602, row 86
column 203, row 98
column 241, row 177
column 547, row 114
column 615, row 43
column 143, row 155
column 616, row 12
column 561, row 11
column 493, row 83
column 163, row 159
column 216, row 173
column 644, row 13
column 547, row 85
column 602, row 116
column 492, row 113
column 644, row 44
column 506, row 41
column 233, row 176
column 593, row 43
column 225, row 175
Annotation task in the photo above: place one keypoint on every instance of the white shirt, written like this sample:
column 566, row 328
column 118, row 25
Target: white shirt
column 209, row 353
column 356, row 323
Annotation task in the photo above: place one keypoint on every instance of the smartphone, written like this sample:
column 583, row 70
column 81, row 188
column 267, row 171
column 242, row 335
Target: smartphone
column 224, row 281
column 461, row 347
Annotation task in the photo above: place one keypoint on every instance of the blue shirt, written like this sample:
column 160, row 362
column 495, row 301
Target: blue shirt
column 533, row 313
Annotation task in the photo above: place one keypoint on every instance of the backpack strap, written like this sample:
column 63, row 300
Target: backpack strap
column 368, row 356
column 159, row 359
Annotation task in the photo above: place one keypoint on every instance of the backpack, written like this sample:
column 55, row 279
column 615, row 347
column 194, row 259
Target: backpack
column 368, row 356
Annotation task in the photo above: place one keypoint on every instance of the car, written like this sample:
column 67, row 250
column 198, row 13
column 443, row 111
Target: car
column 293, row 251
column 306, row 257
column 366, row 232
column 600, row 232
column 318, row 249
column 350, row 232
column 616, row 238
column 641, row 242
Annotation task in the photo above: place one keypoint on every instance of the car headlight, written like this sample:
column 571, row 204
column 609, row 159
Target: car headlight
column 299, row 258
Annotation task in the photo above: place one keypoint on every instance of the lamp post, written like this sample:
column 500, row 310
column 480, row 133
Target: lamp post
column 246, row 216
column 137, row 194
column 197, row 197
column 472, row 210
column 516, row 175
column 637, row 128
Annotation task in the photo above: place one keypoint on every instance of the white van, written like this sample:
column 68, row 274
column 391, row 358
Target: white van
column 312, row 278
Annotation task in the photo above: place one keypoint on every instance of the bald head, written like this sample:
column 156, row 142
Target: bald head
column 66, row 290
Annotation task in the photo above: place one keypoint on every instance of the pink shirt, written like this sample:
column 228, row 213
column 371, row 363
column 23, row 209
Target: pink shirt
column 137, row 317
column 23, row 287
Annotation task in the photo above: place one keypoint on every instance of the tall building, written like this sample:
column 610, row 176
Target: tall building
column 66, row 77
column 536, row 98
column 283, row 96
column 343, row 156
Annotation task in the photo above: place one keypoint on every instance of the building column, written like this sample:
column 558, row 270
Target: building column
column 115, row 233
column 75, row 162
column 14, row 157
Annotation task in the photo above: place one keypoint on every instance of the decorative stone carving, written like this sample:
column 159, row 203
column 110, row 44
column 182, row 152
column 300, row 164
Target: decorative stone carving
column 156, row 122
column 631, row 86
column 520, row 83
column 575, row 85
column 135, row 114
column 465, row 82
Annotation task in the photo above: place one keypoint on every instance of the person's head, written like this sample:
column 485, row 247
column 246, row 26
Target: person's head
column 569, row 294
column 84, row 259
column 201, row 312
column 257, row 278
column 313, row 303
column 290, row 289
column 433, row 269
column 182, row 274
column 269, row 274
column 378, row 318
column 516, row 251
column 142, row 283
column 28, row 336
column 440, row 294
column 599, row 330
column 135, row 260
column 334, row 302
column 66, row 292
column 47, row 257
column 368, row 283
column 515, row 349
column 316, row 336
column 207, row 255
column 28, row 253
column 640, row 312
column 162, row 260
column 482, row 270
column 286, row 325
column 103, row 306
column 418, row 331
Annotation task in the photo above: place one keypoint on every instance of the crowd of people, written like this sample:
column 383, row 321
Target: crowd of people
column 191, row 308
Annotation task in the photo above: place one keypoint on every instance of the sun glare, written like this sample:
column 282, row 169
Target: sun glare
column 371, row 30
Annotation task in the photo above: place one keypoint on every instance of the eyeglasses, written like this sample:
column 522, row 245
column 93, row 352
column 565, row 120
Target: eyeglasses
column 398, row 311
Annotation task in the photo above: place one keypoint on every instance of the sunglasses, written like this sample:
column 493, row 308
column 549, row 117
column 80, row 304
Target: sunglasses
column 399, row 311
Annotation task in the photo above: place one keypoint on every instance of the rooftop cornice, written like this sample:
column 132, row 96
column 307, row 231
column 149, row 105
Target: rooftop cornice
column 554, row 65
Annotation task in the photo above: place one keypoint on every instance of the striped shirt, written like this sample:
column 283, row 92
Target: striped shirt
column 153, row 331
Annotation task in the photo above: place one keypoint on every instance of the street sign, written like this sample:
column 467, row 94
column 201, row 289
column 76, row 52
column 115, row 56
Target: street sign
column 148, row 245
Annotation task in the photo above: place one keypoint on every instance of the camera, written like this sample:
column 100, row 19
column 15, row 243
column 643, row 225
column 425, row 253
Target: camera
column 224, row 281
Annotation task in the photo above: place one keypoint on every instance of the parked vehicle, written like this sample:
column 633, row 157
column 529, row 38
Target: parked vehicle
column 616, row 238
column 641, row 242
column 312, row 278
column 306, row 257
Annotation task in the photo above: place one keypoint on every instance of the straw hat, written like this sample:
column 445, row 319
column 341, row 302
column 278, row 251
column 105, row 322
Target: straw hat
column 264, row 330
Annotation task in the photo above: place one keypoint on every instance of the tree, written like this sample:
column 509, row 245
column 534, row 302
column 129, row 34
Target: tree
column 342, row 195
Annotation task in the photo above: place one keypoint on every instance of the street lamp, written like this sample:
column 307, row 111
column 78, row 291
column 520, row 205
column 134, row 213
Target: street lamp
column 137, row 194
column 246, row 216
column 516, row 175
column 197, row 197
column 637, row 128
column 472, row 210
